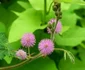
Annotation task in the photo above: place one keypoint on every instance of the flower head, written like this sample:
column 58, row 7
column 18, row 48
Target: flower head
column 58, row 27
column 46, row 47
column 28, row 40
column 21, row 54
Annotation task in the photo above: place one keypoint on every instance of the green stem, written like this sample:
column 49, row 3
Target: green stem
column 61, row 49
column 22, row 63
column 49, row 8
column 29, row 52
column 45, row 10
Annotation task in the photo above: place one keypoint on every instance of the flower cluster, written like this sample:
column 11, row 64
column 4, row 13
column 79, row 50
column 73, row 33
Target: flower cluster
column 28, row 40
column 51, row 24
column 45, row 46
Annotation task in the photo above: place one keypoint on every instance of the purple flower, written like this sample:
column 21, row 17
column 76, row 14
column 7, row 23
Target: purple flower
column 58, row 27
column 28, row 40
column 46, row 47
column 21, row 54
column 52, row 21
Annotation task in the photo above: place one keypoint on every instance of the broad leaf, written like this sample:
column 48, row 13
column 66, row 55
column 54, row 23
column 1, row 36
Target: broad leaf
column 39, row 4
column 72, row 37
column 80, row 2
column 29, row 21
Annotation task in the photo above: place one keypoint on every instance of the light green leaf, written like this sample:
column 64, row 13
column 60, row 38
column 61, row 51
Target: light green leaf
column 39, row 4
column 72, row 37
column 80, row 2
column 29, row 21
column 64, row 29
column 65, row 6
column 20, row 6
column 69, row 19
column 8, row 59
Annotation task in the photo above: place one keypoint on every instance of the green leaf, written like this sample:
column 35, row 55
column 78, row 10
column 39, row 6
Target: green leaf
column 19, row 6
column 80, row 2
column 66, row 65
column 79, row 61
column 65, row 6
column 3, row 39
column 2, row 27
column 82, row 22
column 3, row 52
column 28, row 21
column 8, row 59
column 3, row 15
column 72, row 37
column 5, row 49
column 64, row 29
column 39, row 4
column 39, row 64
column 67, row 17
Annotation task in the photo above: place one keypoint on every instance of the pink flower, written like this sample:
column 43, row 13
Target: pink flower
column 52, row 21
column 58, row 27
column 28, row 40
column 21, row 54
column 46, row 47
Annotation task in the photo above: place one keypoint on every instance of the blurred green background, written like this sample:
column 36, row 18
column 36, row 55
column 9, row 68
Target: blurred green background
column 20, row 16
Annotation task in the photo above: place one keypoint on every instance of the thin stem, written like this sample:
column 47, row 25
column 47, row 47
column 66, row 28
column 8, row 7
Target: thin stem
column 29, row 52
column 55, row 27
column 49, row 8
column 22, row 63
column 45, row 10
column 61, row 49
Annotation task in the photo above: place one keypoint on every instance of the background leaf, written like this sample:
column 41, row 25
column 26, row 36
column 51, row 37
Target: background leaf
column 29, row 21
column 39, row 64
column 72, row 37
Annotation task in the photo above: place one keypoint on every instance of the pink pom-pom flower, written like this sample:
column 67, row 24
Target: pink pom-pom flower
column 46, row 47
column 21, row 54
column 28, row 40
